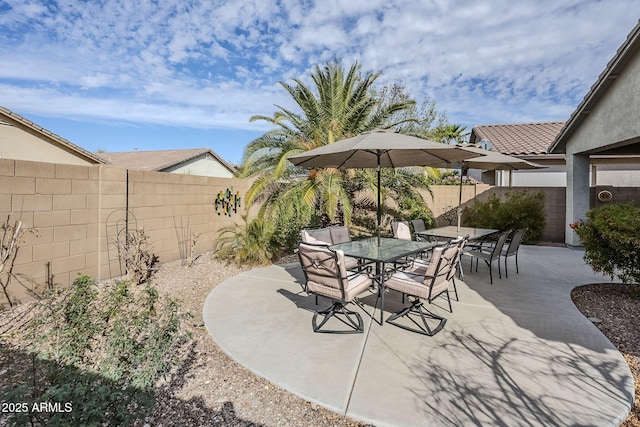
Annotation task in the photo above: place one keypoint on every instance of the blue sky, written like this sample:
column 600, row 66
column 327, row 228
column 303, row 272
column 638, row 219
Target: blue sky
column 119, row 75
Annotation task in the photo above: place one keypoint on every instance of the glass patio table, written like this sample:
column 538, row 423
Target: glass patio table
column 452, row 232
column 389, row 251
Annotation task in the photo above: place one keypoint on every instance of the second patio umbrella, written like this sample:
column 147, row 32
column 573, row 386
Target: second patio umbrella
column 490, row 160
column 383, row 148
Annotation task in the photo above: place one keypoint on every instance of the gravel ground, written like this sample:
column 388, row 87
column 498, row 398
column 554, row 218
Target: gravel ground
column 210, row 389
column 216, row 390
column 615, row 310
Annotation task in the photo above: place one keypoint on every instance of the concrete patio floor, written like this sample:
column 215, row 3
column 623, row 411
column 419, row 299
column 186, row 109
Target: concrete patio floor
column 515, row 353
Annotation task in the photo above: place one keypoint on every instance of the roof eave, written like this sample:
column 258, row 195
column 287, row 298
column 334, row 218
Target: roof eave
column 230, row 168
column 30, row 127
column 606, row 78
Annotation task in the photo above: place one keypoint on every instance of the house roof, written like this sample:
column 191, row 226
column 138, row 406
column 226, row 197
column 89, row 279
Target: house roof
column 518, row 139
column 624, row 54
column 8, row 117
column 159, row 160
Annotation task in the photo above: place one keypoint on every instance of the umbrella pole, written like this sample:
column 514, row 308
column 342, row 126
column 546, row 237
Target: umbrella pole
column 379, row 207
column 459, row 212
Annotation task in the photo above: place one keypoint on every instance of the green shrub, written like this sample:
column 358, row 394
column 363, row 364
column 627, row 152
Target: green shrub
column 288, row 219
column 246, row 244
column 416, row 209
column 98, row 352
column 365, row 223
column 611, row 238
column 522, row 209
column 452, row 178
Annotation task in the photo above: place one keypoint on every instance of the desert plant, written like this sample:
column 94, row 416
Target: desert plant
column 414, row 209
column 246, row 244
column 187, row 240
column 612, row 241
column 99, row 350
column 521, row 209
column 450, row 214
column 134, row 251
column 452, row 177
column 11, row 237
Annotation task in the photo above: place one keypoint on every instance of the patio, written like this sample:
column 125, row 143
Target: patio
column 517, row 352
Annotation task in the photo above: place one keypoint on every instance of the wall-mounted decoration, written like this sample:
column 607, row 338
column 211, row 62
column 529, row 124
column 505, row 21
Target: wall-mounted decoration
column 227, row 202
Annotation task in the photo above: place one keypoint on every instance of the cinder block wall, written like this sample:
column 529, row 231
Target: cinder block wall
column 445, row 196
column 77, row 211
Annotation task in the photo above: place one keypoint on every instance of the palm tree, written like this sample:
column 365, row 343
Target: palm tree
column 342, row 105
column 450, row 133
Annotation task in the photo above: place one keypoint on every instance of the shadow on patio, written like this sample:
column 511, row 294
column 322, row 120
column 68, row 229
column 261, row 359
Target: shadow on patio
column 517, row 352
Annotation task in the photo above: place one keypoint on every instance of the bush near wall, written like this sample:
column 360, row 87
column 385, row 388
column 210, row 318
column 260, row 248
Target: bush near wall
column 98, row 351
column 521, row 209
column 611, row 238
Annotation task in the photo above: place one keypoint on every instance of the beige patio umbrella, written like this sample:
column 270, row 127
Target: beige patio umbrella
column 383, row 148
column 490, row 160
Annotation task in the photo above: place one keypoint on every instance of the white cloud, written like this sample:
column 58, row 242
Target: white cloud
column 207, row 64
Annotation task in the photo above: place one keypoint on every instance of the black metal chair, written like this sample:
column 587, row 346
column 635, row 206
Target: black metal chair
column 418, row 225
column 513, row 245
column 489, row 254
column 326, row 275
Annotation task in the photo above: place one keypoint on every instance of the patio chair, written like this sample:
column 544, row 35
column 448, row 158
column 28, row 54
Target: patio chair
column 457, row 265
column 318, row 236
column 428, row 286
column 420, row 267
column 326, row 275
column 513, row 245
column 401, row 230
column 418, row 225
column 488, row 254
column 330, row 236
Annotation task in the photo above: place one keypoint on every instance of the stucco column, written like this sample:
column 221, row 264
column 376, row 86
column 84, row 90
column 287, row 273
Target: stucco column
column 577, row 194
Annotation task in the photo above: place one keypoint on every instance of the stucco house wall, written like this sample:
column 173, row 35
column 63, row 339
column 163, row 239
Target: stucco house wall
column 613, row 121
column 605, row 122
column 21, row 139
column 19, row 145
column 206, row 165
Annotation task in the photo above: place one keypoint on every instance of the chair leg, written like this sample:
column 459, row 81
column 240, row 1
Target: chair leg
column 341, row 313
column 455, row 289
column 381, row 305
column 517, row 271
column 422, row 326
column 506, row 271
column 490, row 272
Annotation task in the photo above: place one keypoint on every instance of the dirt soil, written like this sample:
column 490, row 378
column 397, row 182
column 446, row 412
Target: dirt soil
column 210, row 389
column 615, row 310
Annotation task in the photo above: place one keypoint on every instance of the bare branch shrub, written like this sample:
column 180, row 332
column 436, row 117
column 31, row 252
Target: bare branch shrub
column 134, row 251
column 186, row 243
column 450, row 214
column 12, row 235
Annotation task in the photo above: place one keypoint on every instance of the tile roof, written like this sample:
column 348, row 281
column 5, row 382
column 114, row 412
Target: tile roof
column 158, row 160
column 8, row 117
column 518, row 139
